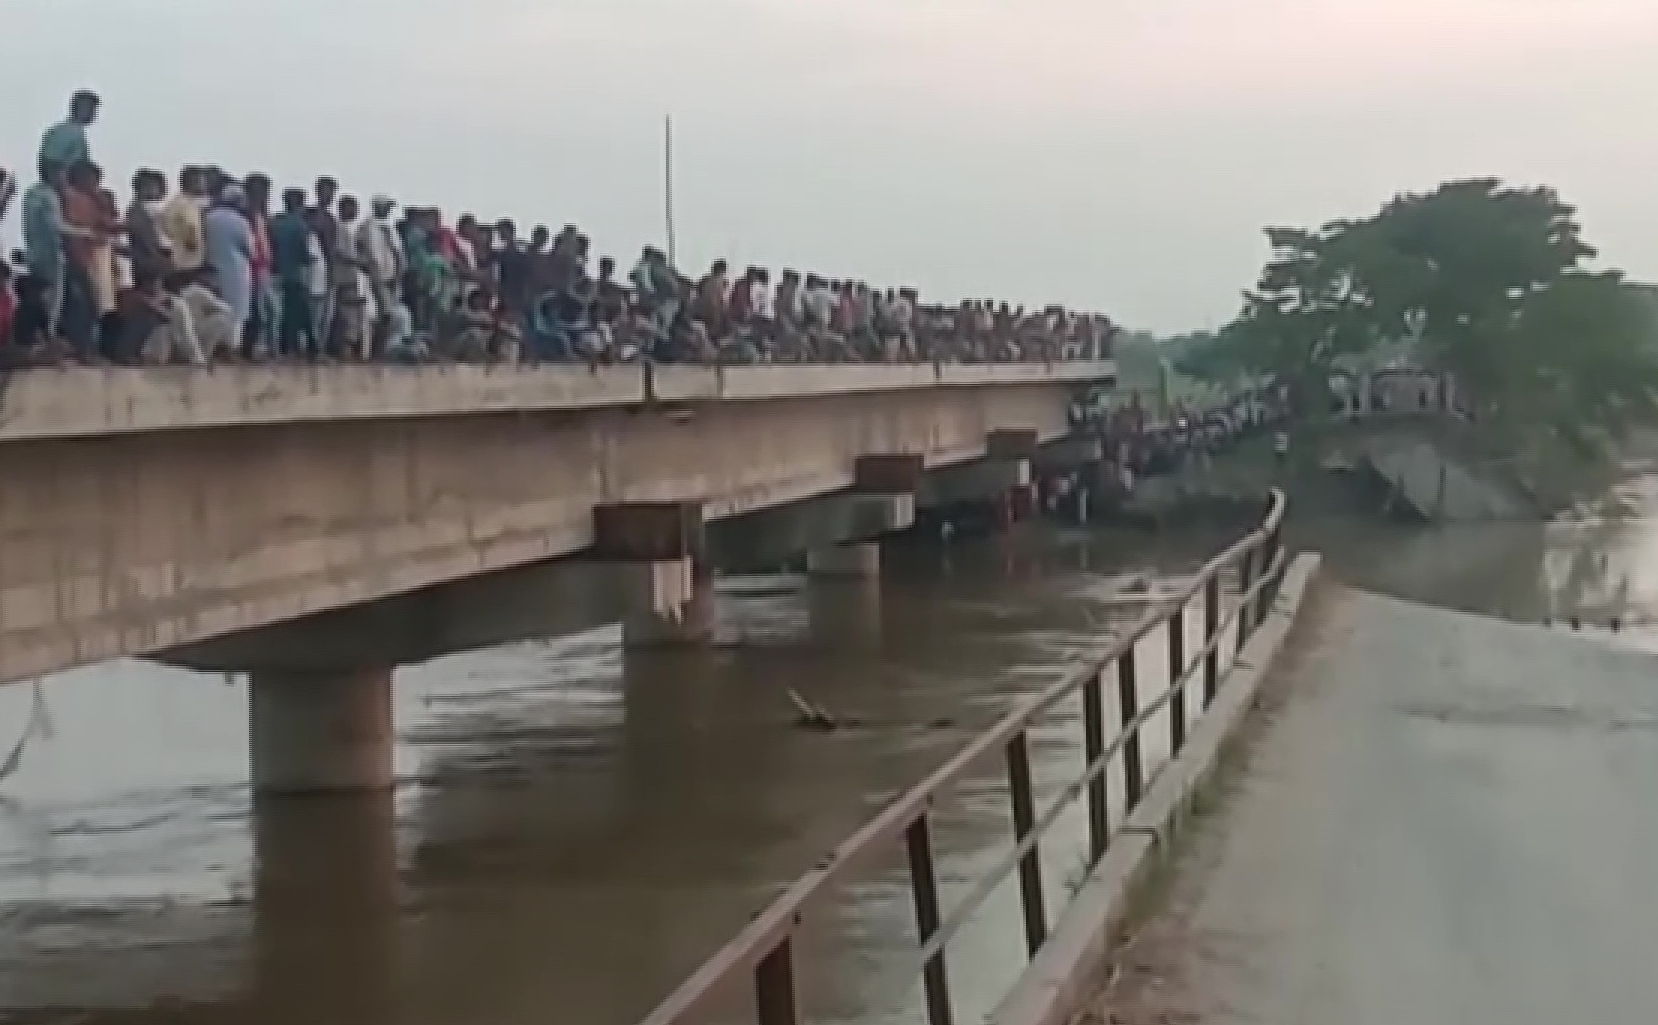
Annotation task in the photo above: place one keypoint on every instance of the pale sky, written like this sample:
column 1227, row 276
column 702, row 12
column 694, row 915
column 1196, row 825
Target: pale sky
column 1119, row 155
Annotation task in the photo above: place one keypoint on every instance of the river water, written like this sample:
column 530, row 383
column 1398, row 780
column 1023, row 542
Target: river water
column 574, row 829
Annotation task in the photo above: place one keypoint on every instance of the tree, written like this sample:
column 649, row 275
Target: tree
column 1487, row 282
column 1309, row 307
column 1457, row 266
column 1579, row 360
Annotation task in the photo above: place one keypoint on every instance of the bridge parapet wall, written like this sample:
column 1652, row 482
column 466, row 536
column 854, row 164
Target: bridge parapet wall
column 143, row 510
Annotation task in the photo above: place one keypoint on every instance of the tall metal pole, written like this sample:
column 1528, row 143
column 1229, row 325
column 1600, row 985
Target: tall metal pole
column 668, row 186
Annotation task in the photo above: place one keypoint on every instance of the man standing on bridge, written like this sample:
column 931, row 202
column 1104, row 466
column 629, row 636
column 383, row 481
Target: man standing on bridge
column 382, row 254
column 291, row 261
column 65, row 142
column 327, row 229
column 43, row 232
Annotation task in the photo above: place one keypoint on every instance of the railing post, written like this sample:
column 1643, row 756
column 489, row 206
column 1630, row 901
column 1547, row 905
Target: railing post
column 1024, row 820
column 1093, row 737
column 1269, row 587
column 924, row 886
column 1134, row 777
column 1177, row 667
column 1211, row 644
column 774, row 995
column 1276, row 544
column 1246, row 579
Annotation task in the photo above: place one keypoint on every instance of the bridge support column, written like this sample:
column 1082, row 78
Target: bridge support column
column 320, row 731
column 1068, row 469
column 659, row 550
column 854, row 561
column 846, row 611
column 325, row 892
column 673, row 603
column 987, row 482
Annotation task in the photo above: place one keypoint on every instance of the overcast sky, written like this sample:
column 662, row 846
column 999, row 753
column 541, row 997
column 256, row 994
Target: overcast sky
column 1119, row 155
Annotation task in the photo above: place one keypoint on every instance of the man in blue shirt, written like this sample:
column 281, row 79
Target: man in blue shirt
column 43, row 237
column 65, row 142
column 291, row 259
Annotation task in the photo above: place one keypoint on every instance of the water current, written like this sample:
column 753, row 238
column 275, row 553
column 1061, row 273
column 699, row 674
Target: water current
column 576, row 828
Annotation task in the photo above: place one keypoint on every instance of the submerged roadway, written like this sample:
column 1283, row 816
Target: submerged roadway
column 1443, row 818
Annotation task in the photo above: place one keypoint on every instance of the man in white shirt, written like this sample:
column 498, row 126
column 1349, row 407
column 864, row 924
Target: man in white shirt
column 316, row 283
column 352, row 287
column 760, row 307
column 181, row 220
column 820, row 302
column 899, row 314
column 381, row 253
column 212, row 323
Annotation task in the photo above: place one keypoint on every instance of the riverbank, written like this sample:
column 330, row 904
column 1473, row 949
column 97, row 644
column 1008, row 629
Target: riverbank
column 1405, row 468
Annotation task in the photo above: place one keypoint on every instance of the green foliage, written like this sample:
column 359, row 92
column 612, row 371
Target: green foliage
column 1580, row 359
column 1309, row 308
column 1484, row 281
column 1457, row 266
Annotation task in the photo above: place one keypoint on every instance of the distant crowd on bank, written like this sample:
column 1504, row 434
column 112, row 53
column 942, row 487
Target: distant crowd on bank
column 224, row 267
column 1137, row 443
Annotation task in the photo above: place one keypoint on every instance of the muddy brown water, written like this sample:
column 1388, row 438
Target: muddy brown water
column 575, row 829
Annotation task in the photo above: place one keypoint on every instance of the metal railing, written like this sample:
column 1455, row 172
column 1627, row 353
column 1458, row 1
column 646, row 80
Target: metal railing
column 766, row 948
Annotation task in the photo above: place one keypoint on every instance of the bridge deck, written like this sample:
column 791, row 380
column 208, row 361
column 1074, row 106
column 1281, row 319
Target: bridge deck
column 1446, row 818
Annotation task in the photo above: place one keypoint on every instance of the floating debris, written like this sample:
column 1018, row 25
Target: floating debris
column 812, row 717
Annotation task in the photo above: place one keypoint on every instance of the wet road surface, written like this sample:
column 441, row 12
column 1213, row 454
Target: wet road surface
column 574, row 830
column 1445, row 818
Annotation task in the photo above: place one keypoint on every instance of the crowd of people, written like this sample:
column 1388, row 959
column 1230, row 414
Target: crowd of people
column 212, row 266
column 1139, row 444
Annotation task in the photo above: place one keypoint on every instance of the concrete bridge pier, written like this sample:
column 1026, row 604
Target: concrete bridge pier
column 659, row 553
column 1018, row 448
column 319, row 731
column 851, row 561
column 846, row 611
column 1000, row 481
column 830, row 529
column 325, row 918
column 882, row 502
column 1066, row 470
column 672, row 603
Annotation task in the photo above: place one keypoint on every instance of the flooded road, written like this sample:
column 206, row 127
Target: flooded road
column 573, row 830
column 1439, row 816
column 1443, row 818
column 1598, row 569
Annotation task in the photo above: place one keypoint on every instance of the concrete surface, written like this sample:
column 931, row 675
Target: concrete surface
column 320, row 732
column 851, row 561
column 1441, row 490
column 89, row 402
column 141, row 511
column 1445, row 819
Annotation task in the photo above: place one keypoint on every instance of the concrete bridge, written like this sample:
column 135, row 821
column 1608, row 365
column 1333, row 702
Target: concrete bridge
column 315, row 527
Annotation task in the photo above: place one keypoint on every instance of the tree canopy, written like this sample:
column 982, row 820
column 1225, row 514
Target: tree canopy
column 1483, row 280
